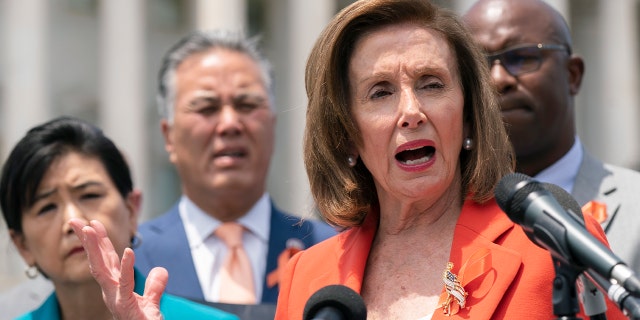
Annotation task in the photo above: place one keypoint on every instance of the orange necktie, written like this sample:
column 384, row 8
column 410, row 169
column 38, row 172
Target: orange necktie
column 236, row 276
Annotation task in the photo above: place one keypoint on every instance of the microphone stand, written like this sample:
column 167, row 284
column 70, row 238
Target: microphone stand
column 628, row 303
column 565, row 298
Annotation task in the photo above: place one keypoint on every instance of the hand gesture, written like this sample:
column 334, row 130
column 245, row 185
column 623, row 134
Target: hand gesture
column 116, row 278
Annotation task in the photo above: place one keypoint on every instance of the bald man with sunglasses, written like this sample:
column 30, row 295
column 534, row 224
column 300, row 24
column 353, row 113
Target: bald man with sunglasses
column 537, row 76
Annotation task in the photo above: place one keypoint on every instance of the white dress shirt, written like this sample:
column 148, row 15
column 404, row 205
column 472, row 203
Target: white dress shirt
column 208, row 251
column 564, row 171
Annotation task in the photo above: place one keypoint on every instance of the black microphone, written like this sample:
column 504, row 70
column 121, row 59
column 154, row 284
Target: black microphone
column 335, row 302
column 594, row 284
column 592, row 299
column 530, row 205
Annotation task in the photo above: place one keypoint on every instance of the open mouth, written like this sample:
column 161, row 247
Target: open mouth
column 231, row 153
column 416, row 156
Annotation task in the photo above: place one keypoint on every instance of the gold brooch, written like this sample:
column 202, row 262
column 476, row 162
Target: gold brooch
column 454, row 292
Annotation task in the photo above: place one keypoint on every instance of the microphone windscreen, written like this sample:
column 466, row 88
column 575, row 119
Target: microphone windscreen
column 340, row 297
column 566, row 200
column 512, row 191
column 505, row 189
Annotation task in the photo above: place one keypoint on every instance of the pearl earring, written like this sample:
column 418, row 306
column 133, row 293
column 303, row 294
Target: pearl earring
column 352, row 161
column 31, row 272
column 467, row 144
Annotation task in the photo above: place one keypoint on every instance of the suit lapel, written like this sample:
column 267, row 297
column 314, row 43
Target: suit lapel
column 277, row 241
column 283, row 229
column 590, row 175
column 478, row 229
column 595, row 182
column 179, row 263
column 346, row 264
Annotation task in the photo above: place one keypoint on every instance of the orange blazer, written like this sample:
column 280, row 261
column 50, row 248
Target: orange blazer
column 516, row 282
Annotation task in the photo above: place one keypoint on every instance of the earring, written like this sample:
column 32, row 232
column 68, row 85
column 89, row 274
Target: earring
column 136, row 240
column 31, row 272
column 352, row 161
column 467, row 144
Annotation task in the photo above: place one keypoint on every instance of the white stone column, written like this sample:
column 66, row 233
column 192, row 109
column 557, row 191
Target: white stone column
column 25, row 96
column 220, row 14
column 123, row 102
column 25, row 90
column 618, row 82
column 295, row 27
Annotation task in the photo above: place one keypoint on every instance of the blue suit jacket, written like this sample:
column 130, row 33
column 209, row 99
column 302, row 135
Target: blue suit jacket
column 165, row 245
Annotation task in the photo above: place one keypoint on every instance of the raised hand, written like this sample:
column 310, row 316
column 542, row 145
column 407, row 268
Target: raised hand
column 116, row 278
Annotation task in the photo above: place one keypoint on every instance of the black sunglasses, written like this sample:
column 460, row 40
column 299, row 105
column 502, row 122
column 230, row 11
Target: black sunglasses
column 523, row 59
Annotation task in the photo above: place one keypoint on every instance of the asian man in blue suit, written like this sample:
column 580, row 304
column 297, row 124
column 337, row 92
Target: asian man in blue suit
column 218, row 123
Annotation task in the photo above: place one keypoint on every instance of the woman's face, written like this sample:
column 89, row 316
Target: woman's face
column 74, row 186
column 407, row 102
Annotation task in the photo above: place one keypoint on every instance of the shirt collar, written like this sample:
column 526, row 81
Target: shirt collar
column 258, row 219
column 564, row 171
column 199, row 225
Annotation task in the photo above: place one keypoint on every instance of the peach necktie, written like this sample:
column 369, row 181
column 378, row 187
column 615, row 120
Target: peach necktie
column 236, row 276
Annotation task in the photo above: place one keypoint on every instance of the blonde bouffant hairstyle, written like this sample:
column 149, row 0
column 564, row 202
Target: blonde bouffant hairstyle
column 343, row 194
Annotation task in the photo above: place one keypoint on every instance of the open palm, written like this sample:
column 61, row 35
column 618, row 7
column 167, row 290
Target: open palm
column 117, row 277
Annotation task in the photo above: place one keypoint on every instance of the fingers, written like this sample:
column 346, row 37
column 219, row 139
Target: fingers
column 100, row 252
column 102, row 255
column 156, row 283
column 107, row 251
column 77, row 226
column 127, row 281
column 90, row 242
column 99, row 227
column 117, row 278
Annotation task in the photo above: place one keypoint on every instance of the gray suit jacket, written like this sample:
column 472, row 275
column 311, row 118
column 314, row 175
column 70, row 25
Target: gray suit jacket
column 619, row 189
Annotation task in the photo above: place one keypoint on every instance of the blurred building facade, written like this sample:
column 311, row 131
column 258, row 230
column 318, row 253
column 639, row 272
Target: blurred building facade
column 98, row 60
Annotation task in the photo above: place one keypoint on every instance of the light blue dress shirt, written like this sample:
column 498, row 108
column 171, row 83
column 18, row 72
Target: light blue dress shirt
column 564, row 171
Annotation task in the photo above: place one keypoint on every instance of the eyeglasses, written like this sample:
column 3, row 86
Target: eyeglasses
column 523, row 59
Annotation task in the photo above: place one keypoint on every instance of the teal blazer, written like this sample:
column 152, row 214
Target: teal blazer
column 172, row 307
